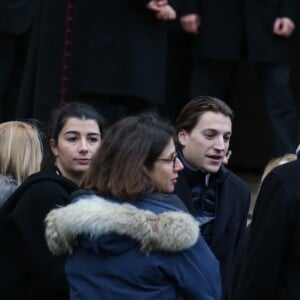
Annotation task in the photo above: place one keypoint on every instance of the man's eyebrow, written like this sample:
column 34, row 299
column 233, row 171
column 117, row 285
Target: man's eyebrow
column 216, row 130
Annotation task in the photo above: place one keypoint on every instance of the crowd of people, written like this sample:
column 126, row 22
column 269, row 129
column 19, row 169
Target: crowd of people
column 143, row 209
column 128, row 193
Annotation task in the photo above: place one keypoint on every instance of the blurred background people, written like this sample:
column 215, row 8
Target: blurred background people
column 180, row 53
column 111, row 55
column 16, row 19
column 228, row 31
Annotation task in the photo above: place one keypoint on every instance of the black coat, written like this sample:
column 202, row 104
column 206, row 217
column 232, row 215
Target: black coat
column 232, row 27
column 271, row 268
column 16, row 15
column 232, row 205
column 16, row 18
column 28, row 270
column 115, row 48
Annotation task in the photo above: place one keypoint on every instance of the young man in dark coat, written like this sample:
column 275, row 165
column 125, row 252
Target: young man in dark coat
column 271, row 267
column 209, row 190
column 257, row 31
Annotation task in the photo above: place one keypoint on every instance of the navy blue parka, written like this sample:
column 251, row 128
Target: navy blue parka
column 112, row 266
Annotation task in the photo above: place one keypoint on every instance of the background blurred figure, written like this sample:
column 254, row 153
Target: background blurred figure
column 74, row 137
column 136, row 164
column 16, row 18
column 277, row 161
column 20, row 155
column 207, row 188
column 227, row 157
column 179, row 61
column 273, row 163
column 271, row 266
column 254, row 30
column 110, row 54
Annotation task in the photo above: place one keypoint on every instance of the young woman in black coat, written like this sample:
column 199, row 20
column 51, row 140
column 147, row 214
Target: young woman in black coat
column 29, row 271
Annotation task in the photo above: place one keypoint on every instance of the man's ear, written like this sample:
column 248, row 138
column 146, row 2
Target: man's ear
column 53, row 146
column 182, row 137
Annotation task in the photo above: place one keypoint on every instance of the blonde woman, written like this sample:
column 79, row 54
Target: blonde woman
column 20, row 155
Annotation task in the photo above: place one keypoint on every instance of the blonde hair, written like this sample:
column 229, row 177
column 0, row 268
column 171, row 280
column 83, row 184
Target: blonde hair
column 277, row 161
column 20, row 150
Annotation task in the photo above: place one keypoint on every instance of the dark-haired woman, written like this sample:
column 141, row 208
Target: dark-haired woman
column 134, row 173
column 30, row 271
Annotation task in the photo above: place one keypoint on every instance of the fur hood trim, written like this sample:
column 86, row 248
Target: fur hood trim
column 7, row 187
column 94, row 216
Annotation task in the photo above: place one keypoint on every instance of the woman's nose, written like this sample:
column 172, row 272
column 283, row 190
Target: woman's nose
column 178, row 166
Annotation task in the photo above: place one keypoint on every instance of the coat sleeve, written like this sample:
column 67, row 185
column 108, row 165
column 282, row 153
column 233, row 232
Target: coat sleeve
column 142, row 3
column 173, row 3
column 189, row 7
column 196, row 272
column 28, row 223
column 290, row 9
column 260, row 270
column 240, row 245
column 16, row 15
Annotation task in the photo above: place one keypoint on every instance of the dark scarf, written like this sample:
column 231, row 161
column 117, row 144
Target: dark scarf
column 202, row 195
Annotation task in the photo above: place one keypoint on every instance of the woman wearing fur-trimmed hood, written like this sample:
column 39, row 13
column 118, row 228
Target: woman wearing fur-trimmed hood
column 134, row 241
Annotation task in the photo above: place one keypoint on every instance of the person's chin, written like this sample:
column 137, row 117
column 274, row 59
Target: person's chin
column 171, row 190
column 82, row 168
column 213, row 169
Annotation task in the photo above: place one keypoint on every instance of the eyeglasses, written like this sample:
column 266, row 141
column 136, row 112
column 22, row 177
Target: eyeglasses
column 170, row 160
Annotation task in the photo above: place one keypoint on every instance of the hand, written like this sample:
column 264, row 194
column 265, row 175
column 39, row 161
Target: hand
column 190, row 23
column 166, row 13
column 283, row 27
column 161, row 2
column 227, row 157
column 156, row 5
